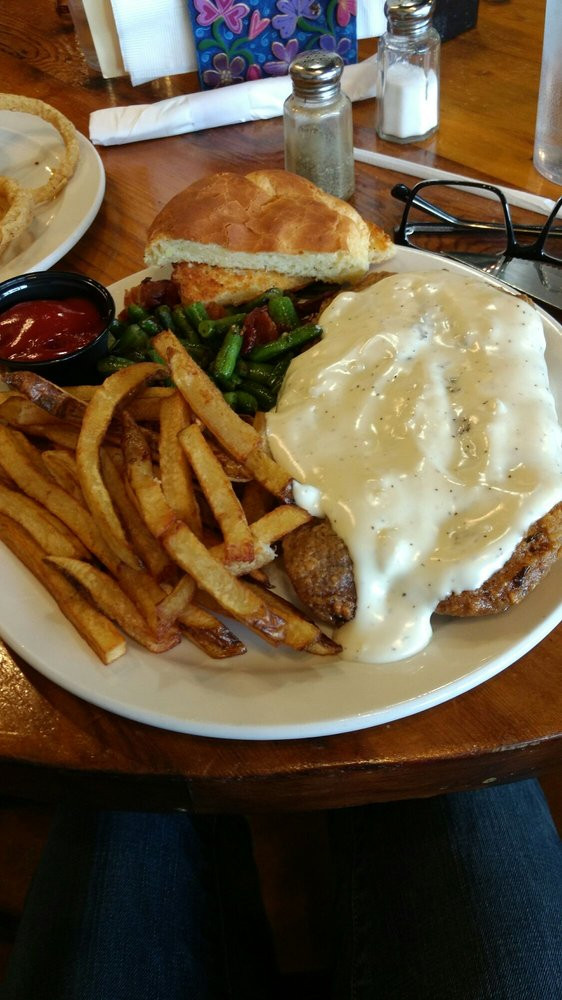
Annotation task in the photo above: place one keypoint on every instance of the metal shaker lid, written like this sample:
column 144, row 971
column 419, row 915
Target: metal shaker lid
column 316, row 74
column 408, row 17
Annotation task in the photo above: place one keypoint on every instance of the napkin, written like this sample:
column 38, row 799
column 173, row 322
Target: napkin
column 243, row 102
column 155, row 38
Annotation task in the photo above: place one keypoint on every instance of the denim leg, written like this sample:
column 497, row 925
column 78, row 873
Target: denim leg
column 453, row 898
column 143, row 906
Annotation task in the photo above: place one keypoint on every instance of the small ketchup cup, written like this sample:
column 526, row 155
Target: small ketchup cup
column 76, row 366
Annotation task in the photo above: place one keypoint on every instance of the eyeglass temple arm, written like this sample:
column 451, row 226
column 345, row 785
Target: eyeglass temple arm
column 402, row 193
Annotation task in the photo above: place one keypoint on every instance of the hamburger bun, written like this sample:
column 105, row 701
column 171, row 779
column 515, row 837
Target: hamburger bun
column 271, row 227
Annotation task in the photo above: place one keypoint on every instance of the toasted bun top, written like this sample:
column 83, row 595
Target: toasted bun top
column 267, row 219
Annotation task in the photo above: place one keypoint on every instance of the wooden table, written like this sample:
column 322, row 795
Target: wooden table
column 53, row 745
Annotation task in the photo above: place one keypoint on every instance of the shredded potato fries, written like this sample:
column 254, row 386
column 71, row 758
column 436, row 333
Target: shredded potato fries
column 146, row 512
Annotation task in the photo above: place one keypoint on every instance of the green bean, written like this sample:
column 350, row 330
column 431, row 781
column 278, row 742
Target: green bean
column 282, row 310
column 260, row 300
column 227, row 384
column 133, row 339
column 256, row 371
column 287, row 342
column 135, row 312
column 213, row 327
column 153, row 355
column 150, row 326
column 163, row 315
column 113, row 363
column 280, row 371
column 263, row 396
column 242, row 402
column 227, row 356
column 116, row 327
column 196, row 313
column 201, row 354
column 183, row 327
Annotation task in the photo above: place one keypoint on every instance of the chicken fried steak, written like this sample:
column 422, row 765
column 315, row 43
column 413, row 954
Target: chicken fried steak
column 320, row 569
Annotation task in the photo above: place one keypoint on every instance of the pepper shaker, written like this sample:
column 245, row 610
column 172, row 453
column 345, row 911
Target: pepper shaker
column 318, row 124
column 408, row 72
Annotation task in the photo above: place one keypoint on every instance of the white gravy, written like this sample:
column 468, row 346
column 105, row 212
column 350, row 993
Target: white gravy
column 423, row 427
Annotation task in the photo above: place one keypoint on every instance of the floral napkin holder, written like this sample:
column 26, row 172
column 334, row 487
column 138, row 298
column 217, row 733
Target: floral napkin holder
column 238, row 41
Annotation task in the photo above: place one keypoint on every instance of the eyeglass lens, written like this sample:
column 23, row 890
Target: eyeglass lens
column 456, row 220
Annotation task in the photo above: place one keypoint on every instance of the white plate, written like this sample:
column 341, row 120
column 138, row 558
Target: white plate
column 271, row 693
column 30, row 149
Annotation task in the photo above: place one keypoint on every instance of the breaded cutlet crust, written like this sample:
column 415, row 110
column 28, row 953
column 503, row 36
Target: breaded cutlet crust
column 530, row 562
column 321, row 571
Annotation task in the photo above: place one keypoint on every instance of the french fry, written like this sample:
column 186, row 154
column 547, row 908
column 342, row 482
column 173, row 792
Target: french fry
column 269, row 473
column 184, row 547
column 256, row 500
column 18, row 411
column 47, row 396
column 206, row 401
column 62, row 466
column 158, row 392
column 177, row 601
column 29, row 472
column 149, row 550
column 50, row 533
column 95, row 628
column 236, row 436
column 200, row 627
column 150, row 503
column 65, row 437
column 99, row 412
column 145, row 593
column 112, row 601
column 266, row 531
column 146, row 409
column 236, row 471
column 225, row 505
column 210, row 634
column 175, row 472
column 300, row 632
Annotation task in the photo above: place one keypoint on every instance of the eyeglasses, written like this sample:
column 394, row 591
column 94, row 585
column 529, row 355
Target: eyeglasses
column 472, row 222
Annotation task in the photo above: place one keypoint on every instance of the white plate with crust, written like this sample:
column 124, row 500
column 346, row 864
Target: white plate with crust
column 275, row 693
column 30, row 149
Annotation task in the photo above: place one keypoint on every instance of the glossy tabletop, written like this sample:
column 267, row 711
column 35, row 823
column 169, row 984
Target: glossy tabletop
column 54, row 745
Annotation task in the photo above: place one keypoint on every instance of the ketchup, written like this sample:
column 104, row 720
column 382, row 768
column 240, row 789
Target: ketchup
column 44, row 329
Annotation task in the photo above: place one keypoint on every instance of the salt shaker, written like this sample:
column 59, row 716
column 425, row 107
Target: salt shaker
column 408, row 72
column 318, row 124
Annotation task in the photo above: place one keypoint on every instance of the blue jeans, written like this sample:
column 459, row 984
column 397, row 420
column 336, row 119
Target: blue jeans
column 452, row 898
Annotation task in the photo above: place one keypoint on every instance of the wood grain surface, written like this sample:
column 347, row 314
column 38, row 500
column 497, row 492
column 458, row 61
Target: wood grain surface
column 53, row 745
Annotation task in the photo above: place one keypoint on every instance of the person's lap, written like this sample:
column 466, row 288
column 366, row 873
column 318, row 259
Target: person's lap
column 452, row 898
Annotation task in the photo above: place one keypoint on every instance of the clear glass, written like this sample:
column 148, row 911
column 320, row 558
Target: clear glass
column 547, row 156
column 408, row 86
column 319, row 142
